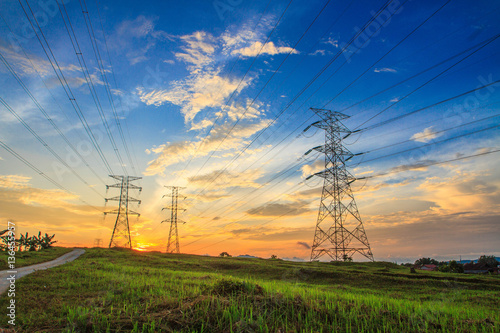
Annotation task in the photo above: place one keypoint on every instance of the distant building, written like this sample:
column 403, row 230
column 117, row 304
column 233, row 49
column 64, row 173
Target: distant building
column 429, row 267
column 479, row 268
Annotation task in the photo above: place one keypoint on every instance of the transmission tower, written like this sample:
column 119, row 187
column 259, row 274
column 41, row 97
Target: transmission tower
column 339, row 229
column 173, row 235
column 97, row 242
column 121, row 231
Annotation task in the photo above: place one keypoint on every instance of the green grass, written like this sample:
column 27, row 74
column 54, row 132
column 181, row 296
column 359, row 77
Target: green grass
column 126, row 291
column 26, row 258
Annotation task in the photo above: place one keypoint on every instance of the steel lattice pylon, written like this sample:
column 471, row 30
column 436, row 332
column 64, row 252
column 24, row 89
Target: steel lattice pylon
column 121, row 231
column 339, row 229
column 173, row 235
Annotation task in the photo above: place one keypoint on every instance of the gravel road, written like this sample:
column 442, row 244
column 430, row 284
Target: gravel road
column 22, row 271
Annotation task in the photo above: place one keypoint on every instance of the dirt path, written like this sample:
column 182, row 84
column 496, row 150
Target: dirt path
column 22, row 271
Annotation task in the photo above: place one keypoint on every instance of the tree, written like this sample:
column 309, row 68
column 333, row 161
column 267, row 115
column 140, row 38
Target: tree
column 224, row 254
column 274, row 257
column 456, row 267
column 491, row 261
column 46, row 241
column 347, row 258
column 452, row 267
column 426, row 261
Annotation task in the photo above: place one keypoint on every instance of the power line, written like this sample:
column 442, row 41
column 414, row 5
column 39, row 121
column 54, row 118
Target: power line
column 429, row 81
column 369, row 177
column 46, row 145
column 236, row 89
column 219, row 93
column 432, row 143
column 34, row 168
column 100, row 64
column 45, row 85
column 90, row 83
column 385, row 122
column 307, row 85
column 265, row 85
column 46, row 115
column 299, row 185
column 385, row 54
column 66, row 87
column 425, row 165
column 434, row 133
column 426, row 107
column 116, row 85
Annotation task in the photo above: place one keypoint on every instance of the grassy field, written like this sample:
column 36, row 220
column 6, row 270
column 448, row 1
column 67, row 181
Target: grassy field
column 125, row 291
column 27, row 258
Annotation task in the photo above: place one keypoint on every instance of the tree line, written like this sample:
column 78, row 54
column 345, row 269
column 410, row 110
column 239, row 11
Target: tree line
column 26, row 242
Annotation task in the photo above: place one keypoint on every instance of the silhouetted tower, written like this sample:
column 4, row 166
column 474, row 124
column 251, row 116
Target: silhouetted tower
column 173, row 235
column 121, row 231
column 339, row 229
column 97, row 242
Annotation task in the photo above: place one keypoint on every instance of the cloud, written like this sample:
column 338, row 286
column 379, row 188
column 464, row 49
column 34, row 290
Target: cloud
column 426, row 135
column 484, row 150
column 14, row 181
column 17, row 189
column 35, row 65
column 320, row 52
column 204, row 93
column 278, row 209
column 385, row 70
column 304, row 244
column 138, row 36
column 399, row 205
column 331, row 41
column 463, row 191
column 226, row 179
column 197, row 50
column 448, row 235
column 413, row 166
column 25, row 65
column 311, row 169
column 199, row 91
column 51, row 198
column 258, row 48
column 311, row 194
column 219, row 139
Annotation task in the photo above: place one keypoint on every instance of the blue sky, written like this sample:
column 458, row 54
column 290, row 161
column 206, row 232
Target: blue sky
column 214, row 96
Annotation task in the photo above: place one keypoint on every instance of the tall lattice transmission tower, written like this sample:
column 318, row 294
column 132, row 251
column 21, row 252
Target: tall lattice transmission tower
column 121, row 231
column 339, row 229
column 173, row 235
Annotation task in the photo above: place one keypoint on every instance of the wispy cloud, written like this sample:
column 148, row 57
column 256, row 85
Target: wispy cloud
column 138, row 36
column 279, row 209
column 426, row 135
column 385, row 70
column 320, row 52
column 331, row 41
column 259, row 48
column 14, row 181
column 226, row 179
